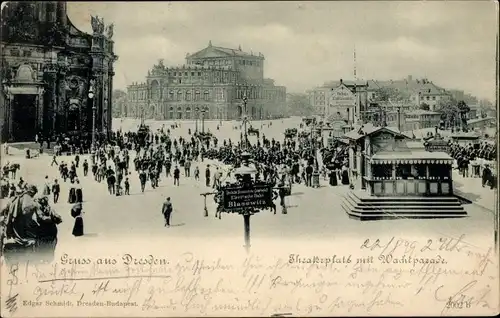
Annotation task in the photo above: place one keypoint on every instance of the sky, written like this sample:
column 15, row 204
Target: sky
column 308, row 43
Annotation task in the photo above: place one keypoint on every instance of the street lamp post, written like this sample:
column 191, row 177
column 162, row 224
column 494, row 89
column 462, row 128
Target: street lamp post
column 94, row 110
column 245, row 119
column 203, row 110
column 197, row 113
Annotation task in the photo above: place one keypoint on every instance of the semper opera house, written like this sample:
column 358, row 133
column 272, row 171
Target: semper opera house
column 55, row 78
column 213, row 81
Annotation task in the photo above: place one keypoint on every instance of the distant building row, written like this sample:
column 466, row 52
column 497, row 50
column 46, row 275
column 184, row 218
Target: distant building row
column 214, row 80
column 416, row 91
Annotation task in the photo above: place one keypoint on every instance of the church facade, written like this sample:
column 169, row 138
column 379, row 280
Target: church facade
column 214, row 81
column 48, row 69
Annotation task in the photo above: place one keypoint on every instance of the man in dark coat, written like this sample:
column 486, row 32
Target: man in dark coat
column 56, row 189
column 207, row 176
column 85, row 167
column 486, row 177
column 177, row 175
column 167, row 211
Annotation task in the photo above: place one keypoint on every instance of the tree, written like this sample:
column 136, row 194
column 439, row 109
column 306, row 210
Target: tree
column 449, row 111
column 424, row 106
column 299, row 105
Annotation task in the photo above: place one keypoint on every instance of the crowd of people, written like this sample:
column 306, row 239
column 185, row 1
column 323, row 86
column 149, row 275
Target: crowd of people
column 474, row 161
column 156, row 156
column 148, row 158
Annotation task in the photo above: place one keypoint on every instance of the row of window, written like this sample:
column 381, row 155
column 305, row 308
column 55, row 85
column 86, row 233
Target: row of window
column 223, row 62
column 187, row 114
column 188, row 95
column 260, row 94
column 424, row 117
column 185, row 73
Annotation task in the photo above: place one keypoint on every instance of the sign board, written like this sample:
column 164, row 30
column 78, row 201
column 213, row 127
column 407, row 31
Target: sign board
column 342, row 96
column 258, row 197
column 433, row 146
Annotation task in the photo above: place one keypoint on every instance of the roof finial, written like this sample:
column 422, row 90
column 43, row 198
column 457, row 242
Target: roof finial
column 239, row 47
column 209, row 43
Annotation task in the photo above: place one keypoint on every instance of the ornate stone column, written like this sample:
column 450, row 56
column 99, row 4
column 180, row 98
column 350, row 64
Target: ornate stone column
column 61, row 97
column 40, row 108
column 8, row 114
column 52, row 77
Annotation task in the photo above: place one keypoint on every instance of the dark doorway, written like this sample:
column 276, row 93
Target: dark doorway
column 24, row 121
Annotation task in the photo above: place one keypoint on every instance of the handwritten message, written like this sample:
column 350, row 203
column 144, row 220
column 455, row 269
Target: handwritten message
column 393, row 276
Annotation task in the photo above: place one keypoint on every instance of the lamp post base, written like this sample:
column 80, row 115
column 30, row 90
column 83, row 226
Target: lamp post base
column 246, row 220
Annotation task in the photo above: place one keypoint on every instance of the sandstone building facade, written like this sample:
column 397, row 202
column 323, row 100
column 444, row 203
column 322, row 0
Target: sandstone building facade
column 48, row 67
column 214, row 80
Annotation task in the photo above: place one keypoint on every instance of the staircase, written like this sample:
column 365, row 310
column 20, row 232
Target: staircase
column 361, row 206
column 32, row 146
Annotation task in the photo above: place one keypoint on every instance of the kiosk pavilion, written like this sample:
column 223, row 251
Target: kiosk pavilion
column 398, row 177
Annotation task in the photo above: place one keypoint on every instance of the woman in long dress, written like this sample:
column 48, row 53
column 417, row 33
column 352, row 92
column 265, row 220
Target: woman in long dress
column 77, row 213
column 78, row 192
column 72, row 194
column 345, row 175
column 333, row 177
column 46, row 186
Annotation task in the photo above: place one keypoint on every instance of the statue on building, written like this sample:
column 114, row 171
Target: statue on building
column 94, row 21
column 109, row 30
column 97, row 24
column 101, row 26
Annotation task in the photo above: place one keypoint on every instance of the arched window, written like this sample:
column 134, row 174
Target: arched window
column 197, row 95
column 206, row 96
column 179, row 112
column 155, row 90
column 188, row 113
column 188, row 95
column 179, row 95
column 171, row 113
column 171, row 95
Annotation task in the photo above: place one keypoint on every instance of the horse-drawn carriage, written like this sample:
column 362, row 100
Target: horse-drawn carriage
column 253, row 131
column 290, row 132
column 142, row 134
column 10, row 168
column 204, row 136
column 304, row 134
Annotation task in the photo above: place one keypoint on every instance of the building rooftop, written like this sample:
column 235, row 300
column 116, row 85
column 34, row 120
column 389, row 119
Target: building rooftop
column 237, row 52
column 334, row 84
column 410, row 85
column 414, row 156
column 214, row 51
column 368, row 129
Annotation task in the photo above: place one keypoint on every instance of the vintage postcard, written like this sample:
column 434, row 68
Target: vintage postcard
column 249, row 159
